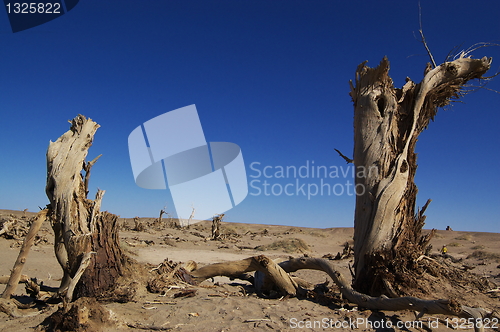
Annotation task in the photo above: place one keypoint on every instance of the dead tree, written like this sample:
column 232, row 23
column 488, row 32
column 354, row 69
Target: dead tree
column 216, row 226
column 162, row 212
column 387, row 123
column 86, row 239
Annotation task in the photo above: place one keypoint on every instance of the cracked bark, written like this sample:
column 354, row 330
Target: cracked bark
column 387, row 123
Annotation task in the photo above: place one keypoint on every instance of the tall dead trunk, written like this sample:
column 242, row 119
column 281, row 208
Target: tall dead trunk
column 387, row 123
column 86, row 239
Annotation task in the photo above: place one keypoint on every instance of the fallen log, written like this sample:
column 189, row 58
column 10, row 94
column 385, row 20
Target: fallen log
column 233, row 269
column 440, row 306
column 15, row 276
column 278, row 274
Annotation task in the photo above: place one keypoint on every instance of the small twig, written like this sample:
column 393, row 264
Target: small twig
column 159, row 302
column 494, row 290
column 473, row 48
column 253, row 320
column 347, row 159
column 86, row 167
column 352, row 271
column 144, row 327
column 423, row 37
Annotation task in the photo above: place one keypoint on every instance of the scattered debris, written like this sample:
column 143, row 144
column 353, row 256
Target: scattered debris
column 347, row 252
column 186, row 293
column 168, row 274
column 291, row 245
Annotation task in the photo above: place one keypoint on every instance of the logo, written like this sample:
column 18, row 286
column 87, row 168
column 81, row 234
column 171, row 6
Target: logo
column 26, row 15
column 171, row 149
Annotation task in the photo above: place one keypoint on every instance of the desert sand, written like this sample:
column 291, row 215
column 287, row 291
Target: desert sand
column 220, row 304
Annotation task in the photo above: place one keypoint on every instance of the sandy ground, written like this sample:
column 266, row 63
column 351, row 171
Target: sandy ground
column 225, row 305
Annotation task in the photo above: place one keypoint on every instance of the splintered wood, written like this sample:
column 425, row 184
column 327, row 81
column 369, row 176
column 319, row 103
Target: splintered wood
column 168, row 275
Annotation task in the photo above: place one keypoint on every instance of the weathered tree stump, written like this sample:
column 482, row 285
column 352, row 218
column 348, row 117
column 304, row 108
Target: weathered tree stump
column 86, row 239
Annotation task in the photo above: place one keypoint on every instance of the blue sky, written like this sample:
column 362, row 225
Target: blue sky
column 270, row 76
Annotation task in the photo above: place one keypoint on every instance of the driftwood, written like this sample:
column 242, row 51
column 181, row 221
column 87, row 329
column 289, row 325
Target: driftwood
column 278, row 274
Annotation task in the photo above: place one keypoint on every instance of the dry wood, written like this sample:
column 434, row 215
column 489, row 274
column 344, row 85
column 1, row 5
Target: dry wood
column 10, row 308
column 87, row 167
column 162, row 212
column 235, row 268
column 5, row 279
column 6, row 226
column 15, row 276
column 76, row 278
column 387, row 123
column 149, row 327
column 80, row 227
column 216, row 221
column 442, row 306
column 190, row 266
column 38, row 291
column 232, row 269
column 14, row 229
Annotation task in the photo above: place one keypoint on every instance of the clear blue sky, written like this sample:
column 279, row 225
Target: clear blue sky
column 270, row 76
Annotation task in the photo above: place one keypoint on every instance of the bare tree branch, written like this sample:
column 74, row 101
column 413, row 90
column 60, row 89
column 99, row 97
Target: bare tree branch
column 347, row 159
column 423, row 37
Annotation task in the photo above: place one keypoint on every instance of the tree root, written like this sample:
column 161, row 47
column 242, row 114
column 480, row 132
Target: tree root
column 5, row 279
column 11, row 306
column 278, row 275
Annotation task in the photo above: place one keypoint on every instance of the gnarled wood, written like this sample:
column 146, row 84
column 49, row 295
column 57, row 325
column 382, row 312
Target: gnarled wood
column 442, row 306
column 233, row 269
column 80, row 227
column 387, row 123
column 285, row 284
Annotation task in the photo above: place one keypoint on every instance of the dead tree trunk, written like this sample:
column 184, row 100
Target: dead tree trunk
column 216, row 226
column 86, row 239
column 387, row 123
